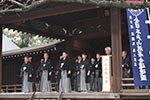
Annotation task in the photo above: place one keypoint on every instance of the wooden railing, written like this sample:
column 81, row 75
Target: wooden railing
column 128, row 87
column 18, row 88
column 54, row 86
column 127, row 83
column 12, row 88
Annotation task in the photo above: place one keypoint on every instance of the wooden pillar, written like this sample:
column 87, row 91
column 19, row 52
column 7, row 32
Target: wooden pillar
column 69, row 46
column 116, row 44
column 0, row 57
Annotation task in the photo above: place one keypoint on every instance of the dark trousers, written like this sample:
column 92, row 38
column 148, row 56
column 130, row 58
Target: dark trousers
column 77, row 82
column 98, row 82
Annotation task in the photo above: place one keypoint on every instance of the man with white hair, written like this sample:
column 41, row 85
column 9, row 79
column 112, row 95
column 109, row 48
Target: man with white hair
column 108, row 50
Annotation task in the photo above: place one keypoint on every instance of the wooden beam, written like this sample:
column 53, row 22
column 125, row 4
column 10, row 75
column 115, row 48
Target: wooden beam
column 95, row 35
column 54, row 95
column 116, row 48
column 94, row 20
column 78, row 95
column 45, row 13
column 1, row 56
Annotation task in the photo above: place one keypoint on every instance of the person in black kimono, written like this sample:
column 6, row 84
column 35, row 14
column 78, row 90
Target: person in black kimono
column 88, row 76
column 77, row 74
column 126, row 65
column 84, row 72
column 64, row 66
column 98, row 73
column 26, row 74
column 45, row 72
column 92, row 74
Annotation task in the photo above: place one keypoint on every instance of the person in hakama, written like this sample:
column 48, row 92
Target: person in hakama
column 64, row 67
column 98, row 73
column 85, row 63
column 26, row 74
column 126, row 65
column 45, row 72
column 77, row 74
column 88, row 77
column 92, row 74
column 31, row 79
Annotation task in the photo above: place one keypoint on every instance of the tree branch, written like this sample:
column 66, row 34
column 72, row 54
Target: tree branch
column 109, row 3
column 98, row 3
column 23, row 8
column 18, row 3
column 121, row 4
column 36, row 4
column 11, row 10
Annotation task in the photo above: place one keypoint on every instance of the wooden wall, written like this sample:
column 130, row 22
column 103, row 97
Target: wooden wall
column 11, row 71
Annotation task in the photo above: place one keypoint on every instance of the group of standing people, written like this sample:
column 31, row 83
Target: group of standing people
column 43, row 73
column 85, row 73
column 88, row 73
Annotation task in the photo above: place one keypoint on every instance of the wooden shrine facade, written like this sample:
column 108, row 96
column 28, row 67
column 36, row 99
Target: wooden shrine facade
column 77, row 24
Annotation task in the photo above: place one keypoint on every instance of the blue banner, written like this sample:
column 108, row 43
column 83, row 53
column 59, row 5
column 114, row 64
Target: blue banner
column 139, row 46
